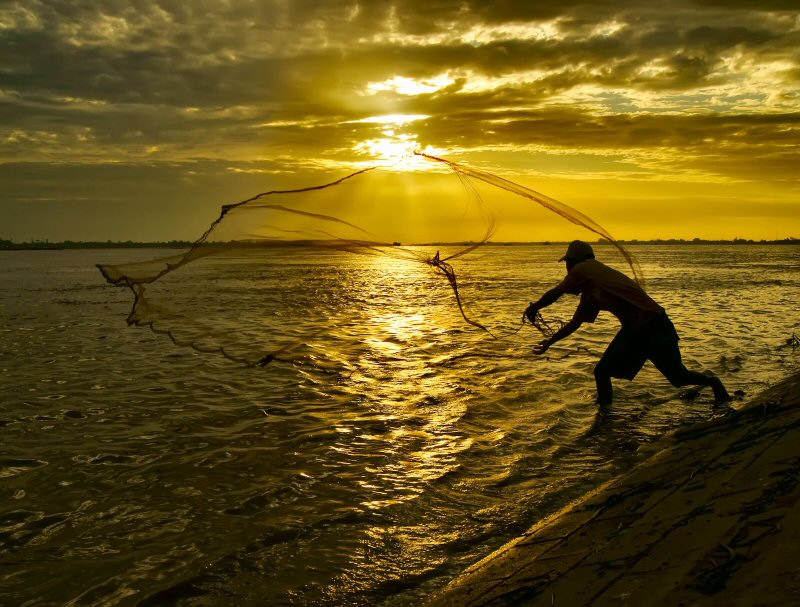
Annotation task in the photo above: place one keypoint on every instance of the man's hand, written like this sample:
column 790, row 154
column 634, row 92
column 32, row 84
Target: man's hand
column 530, row 313
column 542, row 346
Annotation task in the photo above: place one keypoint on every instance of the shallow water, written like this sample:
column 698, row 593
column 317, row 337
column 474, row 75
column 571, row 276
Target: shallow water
column 379, row 458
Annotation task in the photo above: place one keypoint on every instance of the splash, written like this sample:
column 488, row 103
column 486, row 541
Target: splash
column 271, row 272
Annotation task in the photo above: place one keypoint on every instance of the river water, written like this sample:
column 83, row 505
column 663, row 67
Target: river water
column 374, row 460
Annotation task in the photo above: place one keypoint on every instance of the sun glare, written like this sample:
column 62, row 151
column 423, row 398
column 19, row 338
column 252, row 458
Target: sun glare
column 388, row 119
column 409, row 86
column 395, row 151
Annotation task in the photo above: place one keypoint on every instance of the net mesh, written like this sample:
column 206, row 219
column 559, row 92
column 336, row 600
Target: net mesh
column 271, row 271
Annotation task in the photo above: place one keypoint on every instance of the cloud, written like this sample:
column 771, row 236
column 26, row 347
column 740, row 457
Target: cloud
column 710, row 84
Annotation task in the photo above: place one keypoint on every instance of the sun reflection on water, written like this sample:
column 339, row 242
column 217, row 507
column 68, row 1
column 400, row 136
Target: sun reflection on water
column 421, row 408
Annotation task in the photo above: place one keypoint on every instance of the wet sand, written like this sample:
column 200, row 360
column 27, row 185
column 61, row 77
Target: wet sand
column 712, row 518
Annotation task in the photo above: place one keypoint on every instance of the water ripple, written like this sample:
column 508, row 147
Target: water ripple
column 395, row 448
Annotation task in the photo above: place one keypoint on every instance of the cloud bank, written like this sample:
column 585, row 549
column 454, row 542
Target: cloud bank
column 705, row 91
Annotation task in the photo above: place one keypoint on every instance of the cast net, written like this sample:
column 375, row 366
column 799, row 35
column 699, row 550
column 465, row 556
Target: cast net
column 273, row 275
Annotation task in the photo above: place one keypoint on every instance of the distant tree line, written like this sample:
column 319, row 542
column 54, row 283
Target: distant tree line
column 108, row 244
column 183, row 244
column 790, row 240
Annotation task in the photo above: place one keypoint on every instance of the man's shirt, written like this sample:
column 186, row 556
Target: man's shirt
column 604, row 288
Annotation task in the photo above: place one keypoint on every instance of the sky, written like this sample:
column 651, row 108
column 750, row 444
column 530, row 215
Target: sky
column 136, row 120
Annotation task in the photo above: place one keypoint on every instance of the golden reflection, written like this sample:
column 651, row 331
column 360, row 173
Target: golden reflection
column 421, row 440
column 424, row 443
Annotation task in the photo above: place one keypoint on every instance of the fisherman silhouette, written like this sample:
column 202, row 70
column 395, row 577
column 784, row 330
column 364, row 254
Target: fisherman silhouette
column 647, row 333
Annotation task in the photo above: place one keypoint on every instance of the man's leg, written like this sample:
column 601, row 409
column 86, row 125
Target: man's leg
column 693, row 378
column 668, row 361
column 623, row 358
column 605, row 393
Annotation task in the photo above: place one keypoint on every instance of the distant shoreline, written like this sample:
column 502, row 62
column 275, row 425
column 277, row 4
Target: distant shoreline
column 8, row 245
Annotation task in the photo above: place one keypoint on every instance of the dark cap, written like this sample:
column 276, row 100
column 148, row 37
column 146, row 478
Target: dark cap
column 578, row 251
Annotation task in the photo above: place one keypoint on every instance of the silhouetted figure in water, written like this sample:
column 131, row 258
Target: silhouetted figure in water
column 646, row 334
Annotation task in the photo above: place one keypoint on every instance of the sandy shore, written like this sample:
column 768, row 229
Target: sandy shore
column 713, row 518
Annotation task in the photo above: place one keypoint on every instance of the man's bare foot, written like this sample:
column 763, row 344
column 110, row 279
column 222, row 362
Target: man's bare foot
column 720, row 393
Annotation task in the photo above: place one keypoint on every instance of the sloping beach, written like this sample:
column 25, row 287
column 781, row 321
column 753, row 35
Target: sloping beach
column 712, row 518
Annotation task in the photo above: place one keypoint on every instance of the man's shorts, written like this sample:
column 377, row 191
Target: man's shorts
column 656, row 340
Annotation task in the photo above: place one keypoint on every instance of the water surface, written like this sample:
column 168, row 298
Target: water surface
column 379, row 458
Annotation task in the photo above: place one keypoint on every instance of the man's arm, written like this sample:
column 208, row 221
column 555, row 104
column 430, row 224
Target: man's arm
column 565, row 331
column 545, row 300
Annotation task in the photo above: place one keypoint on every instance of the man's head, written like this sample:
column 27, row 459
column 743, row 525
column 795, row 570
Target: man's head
column 577, row 251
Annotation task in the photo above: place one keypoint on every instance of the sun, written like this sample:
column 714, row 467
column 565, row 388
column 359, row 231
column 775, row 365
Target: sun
column 393, row 145
column 396, row 151
column 393, row 150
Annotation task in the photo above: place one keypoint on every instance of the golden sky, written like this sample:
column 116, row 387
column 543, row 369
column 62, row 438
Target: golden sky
column 135, row 120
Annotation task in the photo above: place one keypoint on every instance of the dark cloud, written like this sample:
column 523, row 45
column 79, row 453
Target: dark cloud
column 750, row 5
column 176, row 81
column 571, row 128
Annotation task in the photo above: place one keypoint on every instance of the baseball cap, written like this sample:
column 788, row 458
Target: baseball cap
column 578, row 251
